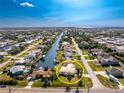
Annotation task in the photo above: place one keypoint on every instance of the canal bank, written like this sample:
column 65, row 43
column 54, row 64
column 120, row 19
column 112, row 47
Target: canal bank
column 51, row 54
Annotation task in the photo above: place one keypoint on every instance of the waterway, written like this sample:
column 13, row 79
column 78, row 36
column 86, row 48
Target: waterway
column 51, row 54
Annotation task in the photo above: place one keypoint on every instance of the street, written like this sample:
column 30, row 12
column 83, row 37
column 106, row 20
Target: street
column 57, row 90
column 96, row 83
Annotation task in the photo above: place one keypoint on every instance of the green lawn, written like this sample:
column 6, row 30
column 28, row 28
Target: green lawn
column 37, row 83
column 22, row 83
column 76, row 57
column 84, row 52
column 57, row 83
column 5, row 79
column 1, row 60
column 87, row 57
column 92, row 57
column 85, row 71
column 121, row 81
column 59, row 56
column 23, row 55
column 84, row 83
column 106, row 82
column 96, row 68
column 7, row 67
column 87, row 83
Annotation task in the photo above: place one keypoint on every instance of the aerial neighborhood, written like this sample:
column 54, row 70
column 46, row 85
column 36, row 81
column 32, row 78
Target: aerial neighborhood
column 82, row 58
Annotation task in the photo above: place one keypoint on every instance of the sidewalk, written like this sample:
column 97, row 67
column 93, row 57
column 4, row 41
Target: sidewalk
column 29, row 85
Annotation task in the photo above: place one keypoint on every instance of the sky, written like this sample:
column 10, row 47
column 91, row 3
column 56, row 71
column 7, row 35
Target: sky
column 61, row 13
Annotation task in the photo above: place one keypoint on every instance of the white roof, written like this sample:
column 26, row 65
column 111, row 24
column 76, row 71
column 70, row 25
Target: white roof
column 15, row 69
column 70, row 68
column 21, row 61
column 120, row 47
column 65, row 43
column 3, row 53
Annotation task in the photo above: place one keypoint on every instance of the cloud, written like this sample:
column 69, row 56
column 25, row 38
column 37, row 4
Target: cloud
column 26, row 4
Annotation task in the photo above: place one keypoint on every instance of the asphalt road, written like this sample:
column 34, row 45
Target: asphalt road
column 38, row 90
column 57, row 90
column 96, row 83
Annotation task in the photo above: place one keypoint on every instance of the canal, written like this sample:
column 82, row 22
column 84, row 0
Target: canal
column 51, row 54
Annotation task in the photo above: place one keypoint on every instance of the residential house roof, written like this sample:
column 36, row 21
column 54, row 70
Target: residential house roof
column 15, row 69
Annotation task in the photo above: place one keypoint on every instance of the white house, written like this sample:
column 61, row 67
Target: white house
column 17, row 70
column 68, row 69
column 20, row 62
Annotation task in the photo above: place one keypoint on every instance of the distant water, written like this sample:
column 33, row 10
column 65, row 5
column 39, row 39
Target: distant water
column 51, row 54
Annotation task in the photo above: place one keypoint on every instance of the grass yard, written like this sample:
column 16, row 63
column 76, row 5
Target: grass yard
column 84, row 83
column 37, row 83
column 84, row 52
column 59, row 56
column 79, row 61
column 23, row 54
column 96, row 68
column 76, row 57
column 3, row 60
column 57, row 83
column 87, row 57
column 87, row 83
column 22, row 83
column 6, row 67
column 106, row 82
column 121, row 81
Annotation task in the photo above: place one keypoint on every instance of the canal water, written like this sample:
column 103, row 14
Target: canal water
column 51, row 54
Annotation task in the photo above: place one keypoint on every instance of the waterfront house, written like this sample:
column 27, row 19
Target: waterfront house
column 30, row 57
column 67, row 69
column 41, row 47
column 17, row 70
column 65, row 44
column 20, row 62
column 67, row 51
column 41, row 73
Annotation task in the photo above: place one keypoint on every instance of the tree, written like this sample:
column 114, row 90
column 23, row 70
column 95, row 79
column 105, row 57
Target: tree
column 80, row 83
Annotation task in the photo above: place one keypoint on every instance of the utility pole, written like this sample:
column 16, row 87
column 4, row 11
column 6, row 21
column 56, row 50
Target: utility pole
column 116, row 91
column 88, row 90
column 9, row 89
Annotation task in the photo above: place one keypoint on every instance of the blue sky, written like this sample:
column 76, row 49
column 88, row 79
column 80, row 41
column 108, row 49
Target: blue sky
column 38, row 13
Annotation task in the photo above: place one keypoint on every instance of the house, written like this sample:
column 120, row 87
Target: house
column 1, row 56
column 41, row 73
column 120, row 48
column 115, row 72
column 3, row 53
column 47, row 41
column 65, row 43
column 95, row 52
column 30, row 57
column 20, row 62
column 15, row 48
column 67, row 51
column 41, row 47
column 67, row 69
column 107, row 60
column 17, row 70
column 37, row 52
